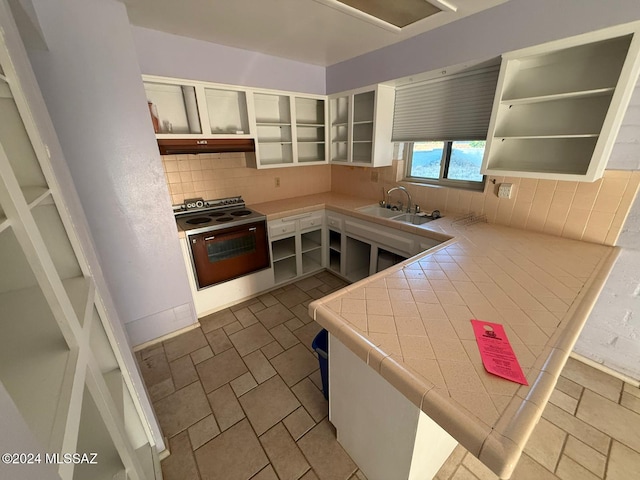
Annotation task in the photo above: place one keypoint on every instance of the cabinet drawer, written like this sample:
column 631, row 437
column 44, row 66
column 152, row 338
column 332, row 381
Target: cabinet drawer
column 334, row 222
column 281, row 228
column 315, row 221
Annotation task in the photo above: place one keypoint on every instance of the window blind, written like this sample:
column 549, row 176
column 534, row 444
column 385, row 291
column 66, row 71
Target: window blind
column 457, row 107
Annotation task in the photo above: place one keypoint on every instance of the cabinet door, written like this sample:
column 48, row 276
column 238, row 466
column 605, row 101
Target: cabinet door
column 173, row 108
column 227, row 111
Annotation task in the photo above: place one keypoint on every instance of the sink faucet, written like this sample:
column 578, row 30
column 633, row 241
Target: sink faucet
column 402, row 189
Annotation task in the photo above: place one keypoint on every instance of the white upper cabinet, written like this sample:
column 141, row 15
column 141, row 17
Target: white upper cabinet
column 558, row 106
column 361, row 123
column 190, row 109
column 288, row 128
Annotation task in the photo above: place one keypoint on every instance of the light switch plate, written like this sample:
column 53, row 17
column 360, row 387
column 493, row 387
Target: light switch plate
column 504, row 190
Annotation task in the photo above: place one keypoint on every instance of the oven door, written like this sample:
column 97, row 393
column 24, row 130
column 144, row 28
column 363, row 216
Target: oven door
column 229, row 253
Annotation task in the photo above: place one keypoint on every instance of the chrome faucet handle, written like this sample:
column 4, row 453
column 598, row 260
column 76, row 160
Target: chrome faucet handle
column 416, row 208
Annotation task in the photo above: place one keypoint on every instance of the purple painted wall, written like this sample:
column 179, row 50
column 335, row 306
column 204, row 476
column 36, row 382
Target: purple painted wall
column 175, row 56
column 510, row 26
column 90, row 80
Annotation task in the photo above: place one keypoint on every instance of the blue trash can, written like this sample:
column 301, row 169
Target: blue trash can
column 321, row 346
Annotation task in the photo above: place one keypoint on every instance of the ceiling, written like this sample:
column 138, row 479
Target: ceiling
column 319, row 32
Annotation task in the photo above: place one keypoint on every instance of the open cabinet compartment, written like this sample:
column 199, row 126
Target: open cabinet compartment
column 36, row 363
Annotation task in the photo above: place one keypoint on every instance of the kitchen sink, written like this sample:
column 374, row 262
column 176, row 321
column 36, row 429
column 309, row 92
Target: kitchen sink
column 412, row 218
column 378, row 211
column 396, row 215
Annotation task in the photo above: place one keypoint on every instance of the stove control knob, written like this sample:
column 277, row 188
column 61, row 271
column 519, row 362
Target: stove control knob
column 199, row 204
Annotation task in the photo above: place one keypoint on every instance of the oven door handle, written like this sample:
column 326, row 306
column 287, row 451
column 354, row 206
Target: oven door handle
column 213, row 237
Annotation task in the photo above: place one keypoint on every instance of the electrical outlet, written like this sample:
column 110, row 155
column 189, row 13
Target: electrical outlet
column 374, row 176
column 277, row 181
column 504, row 190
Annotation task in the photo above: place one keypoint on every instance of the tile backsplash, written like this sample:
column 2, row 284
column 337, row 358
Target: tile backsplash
column 218, row 175
column 593, row 212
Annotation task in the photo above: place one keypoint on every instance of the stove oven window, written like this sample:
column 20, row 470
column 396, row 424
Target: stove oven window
column 231, row 248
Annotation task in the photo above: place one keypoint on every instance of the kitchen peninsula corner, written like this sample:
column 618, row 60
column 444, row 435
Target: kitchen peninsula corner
column 410, row 325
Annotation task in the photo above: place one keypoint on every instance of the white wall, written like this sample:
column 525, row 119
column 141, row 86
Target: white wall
column 90, row 80
column 175, row 56
column 612, row 334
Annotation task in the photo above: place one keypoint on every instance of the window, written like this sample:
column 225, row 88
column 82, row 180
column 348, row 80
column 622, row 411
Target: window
column 451, row 163
column 444, row 121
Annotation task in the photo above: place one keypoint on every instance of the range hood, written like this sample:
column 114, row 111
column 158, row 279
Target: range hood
column 205, row 145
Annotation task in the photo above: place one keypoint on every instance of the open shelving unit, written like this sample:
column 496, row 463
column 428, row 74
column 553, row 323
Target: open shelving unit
column 335, row 251
column 311, row 132
column 558, row 106
column 283, row 253
column 360, row 126
column 386, row 259
column 358, row 259
column 54, row 332
column 273, row 120
column 311, row 251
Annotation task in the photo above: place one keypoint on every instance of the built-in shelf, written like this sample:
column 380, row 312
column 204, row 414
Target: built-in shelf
column 362, row 118
column 358, row 259
column 522, row 137
column 34, row 359
column 34, row 196
column 284, row 270
column 94, row 437
column 310, row 244
column 558, row 106
column 357, row 275
column 311, row 263
column 80, row 291
column 559, row 96
column 284, row 248
column 46, row 356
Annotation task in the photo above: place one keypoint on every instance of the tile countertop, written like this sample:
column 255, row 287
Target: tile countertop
column 420, row 339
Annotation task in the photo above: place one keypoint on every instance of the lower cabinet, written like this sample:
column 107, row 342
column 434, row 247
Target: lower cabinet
column 351, row 248
column 356, row 249
column 283, row 253
column 357, row 259
column 296, row 246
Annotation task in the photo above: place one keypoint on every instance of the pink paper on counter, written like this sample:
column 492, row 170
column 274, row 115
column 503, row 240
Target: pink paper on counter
column 496, row 352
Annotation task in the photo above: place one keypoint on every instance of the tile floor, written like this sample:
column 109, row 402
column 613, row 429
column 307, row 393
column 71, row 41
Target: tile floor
column 240, row 398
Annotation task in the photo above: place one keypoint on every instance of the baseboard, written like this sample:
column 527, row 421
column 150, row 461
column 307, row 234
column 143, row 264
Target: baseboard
column 605, row 369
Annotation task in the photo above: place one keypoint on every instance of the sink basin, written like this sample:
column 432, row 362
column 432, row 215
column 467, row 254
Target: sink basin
column 412, row 218
column 378, row 211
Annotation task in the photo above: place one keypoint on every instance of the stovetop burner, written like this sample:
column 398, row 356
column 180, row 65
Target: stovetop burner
column 198, row 220
column 241, row 213
column 210, row 215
